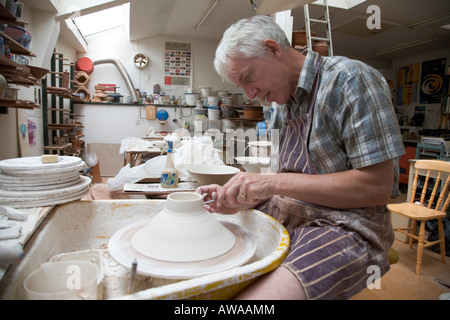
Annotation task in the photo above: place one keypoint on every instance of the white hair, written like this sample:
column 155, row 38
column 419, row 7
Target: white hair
column 246, row 39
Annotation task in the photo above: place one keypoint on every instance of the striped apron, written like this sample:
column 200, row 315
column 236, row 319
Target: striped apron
column 331, row 249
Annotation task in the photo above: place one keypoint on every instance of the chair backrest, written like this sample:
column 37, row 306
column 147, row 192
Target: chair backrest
column 429, row 151
column 434, row 169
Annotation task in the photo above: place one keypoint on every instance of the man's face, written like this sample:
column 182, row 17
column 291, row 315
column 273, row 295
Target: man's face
column 263, row 78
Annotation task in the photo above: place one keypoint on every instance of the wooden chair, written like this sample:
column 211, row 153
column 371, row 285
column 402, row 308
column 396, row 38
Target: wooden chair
column 425, row 209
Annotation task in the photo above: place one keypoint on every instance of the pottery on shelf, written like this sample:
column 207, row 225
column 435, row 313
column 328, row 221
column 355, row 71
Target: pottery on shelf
column 183, row 232
column 3, row 85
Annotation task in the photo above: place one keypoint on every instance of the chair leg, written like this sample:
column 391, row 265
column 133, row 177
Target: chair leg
column 420, row 246
column 442, row 239
column 413, row 231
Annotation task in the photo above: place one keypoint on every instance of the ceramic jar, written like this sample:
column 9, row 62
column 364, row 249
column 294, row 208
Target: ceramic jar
column 3, row 84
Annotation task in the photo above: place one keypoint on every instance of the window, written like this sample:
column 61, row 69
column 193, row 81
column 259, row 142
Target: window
column 343, row 4
column 100, row 21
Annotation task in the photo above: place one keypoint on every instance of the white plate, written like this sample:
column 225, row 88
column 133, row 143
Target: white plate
column 39, row 194
column 40, row 186
column 39, row 179
column 36, row 163
column 123, row 252
column 28, row 203
column 49, row 171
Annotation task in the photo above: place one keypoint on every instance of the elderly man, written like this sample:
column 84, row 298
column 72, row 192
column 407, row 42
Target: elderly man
column 339, row 147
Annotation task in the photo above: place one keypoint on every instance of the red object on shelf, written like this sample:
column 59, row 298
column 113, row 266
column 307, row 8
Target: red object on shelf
column 404, row 164
column 84, row 64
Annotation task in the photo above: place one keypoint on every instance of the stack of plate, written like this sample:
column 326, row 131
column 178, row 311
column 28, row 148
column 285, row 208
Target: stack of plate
column 27, row 182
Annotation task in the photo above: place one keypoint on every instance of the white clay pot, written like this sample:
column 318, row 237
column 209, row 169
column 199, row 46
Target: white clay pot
column 183, row 232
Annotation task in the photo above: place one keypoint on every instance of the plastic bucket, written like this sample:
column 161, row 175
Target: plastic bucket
column 84, row 64
column 213, row 114
column 62, row 280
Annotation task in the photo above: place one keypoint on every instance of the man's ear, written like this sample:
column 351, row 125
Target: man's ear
column 272, row 47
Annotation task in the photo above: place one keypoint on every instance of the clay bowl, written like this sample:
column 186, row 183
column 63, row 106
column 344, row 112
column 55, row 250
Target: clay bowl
column 254, row 164
column 183, row 232
column 206, row 174
column 260, row 148
column 253, row 112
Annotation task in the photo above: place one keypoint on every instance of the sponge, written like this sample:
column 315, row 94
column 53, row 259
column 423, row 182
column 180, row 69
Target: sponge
column 49, row 158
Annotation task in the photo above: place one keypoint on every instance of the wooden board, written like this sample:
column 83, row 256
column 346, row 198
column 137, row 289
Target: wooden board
column 109, row 158
column 150, row 112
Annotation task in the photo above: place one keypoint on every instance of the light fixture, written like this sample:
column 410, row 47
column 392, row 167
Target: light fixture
column 205, row 14
column 405, row 45
column 429, row 20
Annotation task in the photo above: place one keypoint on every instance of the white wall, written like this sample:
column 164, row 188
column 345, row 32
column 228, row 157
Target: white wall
column 113, row 123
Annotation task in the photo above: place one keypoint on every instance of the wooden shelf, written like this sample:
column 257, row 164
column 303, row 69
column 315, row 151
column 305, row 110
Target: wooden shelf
column 57, row 126
column 16, row 47
column 14, row 72
column 9, row 18
column 59, row 109
column 20, row 104
column 58, row 147
column 19, row 74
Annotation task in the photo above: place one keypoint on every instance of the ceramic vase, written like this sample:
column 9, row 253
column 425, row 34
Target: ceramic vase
column 184, row 231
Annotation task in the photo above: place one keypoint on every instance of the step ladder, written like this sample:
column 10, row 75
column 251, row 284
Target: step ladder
column 325, row 20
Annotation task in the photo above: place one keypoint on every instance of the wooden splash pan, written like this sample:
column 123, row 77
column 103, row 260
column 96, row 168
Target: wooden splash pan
column 88, row 225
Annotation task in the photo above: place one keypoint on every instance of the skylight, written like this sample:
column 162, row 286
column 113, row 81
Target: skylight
column 343, row 4
column 100, row 21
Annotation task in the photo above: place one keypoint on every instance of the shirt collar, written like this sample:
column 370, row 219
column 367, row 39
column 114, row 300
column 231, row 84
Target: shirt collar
column 306, row 78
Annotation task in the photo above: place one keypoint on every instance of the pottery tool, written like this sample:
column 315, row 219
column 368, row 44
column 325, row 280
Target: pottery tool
column 132, row 276
column 213, row 195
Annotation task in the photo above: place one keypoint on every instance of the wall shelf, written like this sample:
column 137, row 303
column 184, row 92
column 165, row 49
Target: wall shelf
column 69, row 135
column 134, row 104
column 14, row 72
column 58, row 147
column 9, row 18
column 20, row 104
column 16, row 47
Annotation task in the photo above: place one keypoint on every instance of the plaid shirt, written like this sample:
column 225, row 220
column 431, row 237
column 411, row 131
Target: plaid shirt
column 354, row 124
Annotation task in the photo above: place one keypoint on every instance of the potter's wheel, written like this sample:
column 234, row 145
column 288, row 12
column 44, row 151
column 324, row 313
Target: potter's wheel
column 122, row 250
